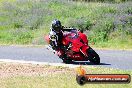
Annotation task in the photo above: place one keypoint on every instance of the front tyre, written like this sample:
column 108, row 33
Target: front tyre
column 93, row 56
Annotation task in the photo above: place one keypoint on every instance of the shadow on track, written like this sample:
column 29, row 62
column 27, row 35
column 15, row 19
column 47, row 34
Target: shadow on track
column 87, row 63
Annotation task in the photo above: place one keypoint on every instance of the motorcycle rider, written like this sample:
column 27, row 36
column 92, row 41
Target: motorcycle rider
column 56, row 34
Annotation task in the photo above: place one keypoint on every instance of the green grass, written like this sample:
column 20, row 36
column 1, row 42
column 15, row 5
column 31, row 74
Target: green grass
column 114, row 44
column 102, row 20
column 62, row 80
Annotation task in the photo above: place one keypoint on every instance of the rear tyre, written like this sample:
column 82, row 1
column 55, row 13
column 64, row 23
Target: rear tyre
column 93, row 56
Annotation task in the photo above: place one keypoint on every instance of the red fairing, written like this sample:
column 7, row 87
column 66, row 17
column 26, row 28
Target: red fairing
column 79, row 45
column 76, row 57
column 83, row 37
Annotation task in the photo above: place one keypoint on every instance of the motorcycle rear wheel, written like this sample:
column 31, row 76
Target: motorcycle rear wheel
column 93, row 56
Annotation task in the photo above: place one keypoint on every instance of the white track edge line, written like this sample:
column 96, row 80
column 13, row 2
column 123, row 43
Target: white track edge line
column 40, row 63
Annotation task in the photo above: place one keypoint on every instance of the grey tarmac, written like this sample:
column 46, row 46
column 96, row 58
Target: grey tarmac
column 120, row 59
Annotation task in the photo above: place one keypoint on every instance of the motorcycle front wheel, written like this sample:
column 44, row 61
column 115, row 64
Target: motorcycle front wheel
column 93, row 56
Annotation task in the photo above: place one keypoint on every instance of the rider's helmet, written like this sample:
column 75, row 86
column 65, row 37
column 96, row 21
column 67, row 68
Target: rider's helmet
column 56, row 25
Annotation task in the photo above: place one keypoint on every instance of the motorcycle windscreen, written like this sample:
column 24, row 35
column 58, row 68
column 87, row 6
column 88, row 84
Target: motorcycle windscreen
column 75, row 40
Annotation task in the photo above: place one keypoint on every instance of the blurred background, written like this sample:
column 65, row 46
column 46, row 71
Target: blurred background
column 107, row 23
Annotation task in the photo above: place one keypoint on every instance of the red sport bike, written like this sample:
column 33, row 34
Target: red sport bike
column 76, row 48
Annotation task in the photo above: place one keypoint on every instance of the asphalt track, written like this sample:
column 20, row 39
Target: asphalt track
column 120, row 59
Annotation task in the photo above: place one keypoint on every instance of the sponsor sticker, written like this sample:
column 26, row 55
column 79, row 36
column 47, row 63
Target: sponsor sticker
column 83, row 78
